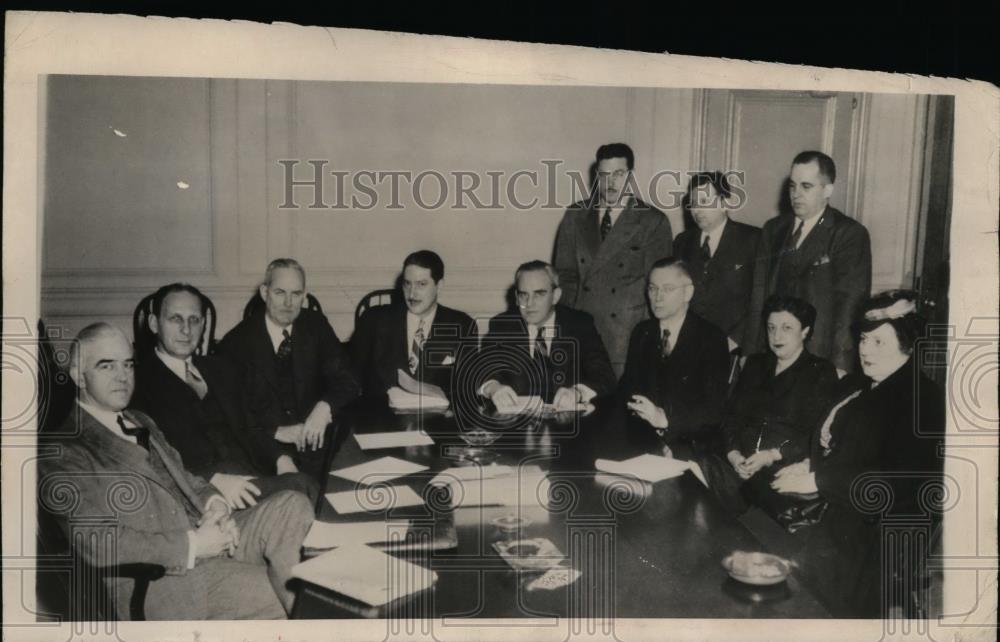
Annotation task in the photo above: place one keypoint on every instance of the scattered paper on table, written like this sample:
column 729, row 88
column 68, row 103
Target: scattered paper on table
column 524, row 404
column 330, row 535
column 365, row 574
column 555, row 578
column 379, row 470
column 400, row 399
column 397, row 439
column 522, row 486
column 651, row 468
column 376, row 498
column 466, row 473
column 422, row 388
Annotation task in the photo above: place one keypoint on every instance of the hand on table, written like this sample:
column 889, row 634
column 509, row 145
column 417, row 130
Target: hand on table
column 795, row 479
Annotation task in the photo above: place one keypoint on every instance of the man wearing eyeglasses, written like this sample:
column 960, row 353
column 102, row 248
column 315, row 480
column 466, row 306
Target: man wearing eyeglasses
column 678, row 363
column 605, row 246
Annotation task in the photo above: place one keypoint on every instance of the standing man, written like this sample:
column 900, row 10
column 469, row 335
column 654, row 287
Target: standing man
column 542, row 348
column 678, row 363
column 720, row 254
column 196, row 401
column 419, row 336
column 135, row 504
column 293, row 368
column 605, row 248
column 818, row 255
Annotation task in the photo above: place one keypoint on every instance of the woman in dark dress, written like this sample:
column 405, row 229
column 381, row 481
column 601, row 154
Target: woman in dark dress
column 874, row 458
column 781, row 395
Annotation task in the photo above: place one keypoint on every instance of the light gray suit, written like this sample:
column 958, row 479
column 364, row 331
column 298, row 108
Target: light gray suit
column 119, row 511
column 608, row 278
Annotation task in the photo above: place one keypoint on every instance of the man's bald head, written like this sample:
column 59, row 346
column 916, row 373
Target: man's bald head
column 101, row 365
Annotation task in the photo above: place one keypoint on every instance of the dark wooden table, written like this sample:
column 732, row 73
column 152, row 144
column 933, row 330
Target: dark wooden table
column 644, row 550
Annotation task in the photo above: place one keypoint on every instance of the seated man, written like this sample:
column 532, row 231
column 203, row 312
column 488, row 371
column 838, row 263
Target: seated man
column 214, row 564
column 543, row 348
column 196, row 402
column 678, row 363
column 292, row 366
column 422, row 337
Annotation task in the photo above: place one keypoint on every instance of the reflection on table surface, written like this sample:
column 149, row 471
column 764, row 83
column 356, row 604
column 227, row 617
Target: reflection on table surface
column 643, row 550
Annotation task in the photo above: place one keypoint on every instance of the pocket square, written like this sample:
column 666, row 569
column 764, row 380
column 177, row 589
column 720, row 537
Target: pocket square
column 738, row 266
column 823, row 260
column 449, row 360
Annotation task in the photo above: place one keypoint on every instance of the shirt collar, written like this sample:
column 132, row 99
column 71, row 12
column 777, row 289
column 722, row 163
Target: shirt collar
column 674, row 325
column 715, row 234
column 549, row 324
column 413, row 321
column 807, row 225
column 106, row 418
column 177, row 366
column 276, row 332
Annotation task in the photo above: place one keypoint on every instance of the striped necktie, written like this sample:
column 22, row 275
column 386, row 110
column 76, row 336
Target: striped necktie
column 416, row 348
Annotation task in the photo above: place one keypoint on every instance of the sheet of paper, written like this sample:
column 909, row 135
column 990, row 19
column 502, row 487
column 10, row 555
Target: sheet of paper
column 365, row 574
column 524, row 486
column 465, row 473
column 400, row 399
column 651, row 468
column 379, row 470
column 331, row 535
column 398, row 439
column 409, row 384
column 375, row 499
column 524, row 404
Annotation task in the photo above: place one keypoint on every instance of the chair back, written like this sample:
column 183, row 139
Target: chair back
column 56, row 391
column 256, row 305
column 373, row 299
column 145, row 340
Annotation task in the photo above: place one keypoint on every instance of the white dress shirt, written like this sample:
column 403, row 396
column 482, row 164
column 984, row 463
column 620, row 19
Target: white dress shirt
column 413, row 322
column 276, row 332
column 615, row 211
column 713, row 237
column 807, row 226
column 674, row 325
column 550, row 331
column 178, row 366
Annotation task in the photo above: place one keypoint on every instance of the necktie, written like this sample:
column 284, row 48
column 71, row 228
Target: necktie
column 285, row 347
column 706, row 250
column 606, row 223
column 541, row 350
column 665, row 343
column 141, row 433
column 416, row 347
column 194, row 381
column 793, row 240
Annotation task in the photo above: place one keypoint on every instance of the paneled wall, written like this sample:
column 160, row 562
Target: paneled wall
column 151, row 180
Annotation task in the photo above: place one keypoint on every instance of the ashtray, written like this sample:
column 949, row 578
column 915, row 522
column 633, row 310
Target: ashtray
column 759, row 569
column 510, row 523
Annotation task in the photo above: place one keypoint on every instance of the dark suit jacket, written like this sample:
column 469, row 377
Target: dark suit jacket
column 114, row 479
column 690, row 385
column 834, row 274
column 780, row 411
column 577, row 355
column 883, row 448
column 379, row 348
column 723, row 285
column 230, row 447
column 322, row 368
column 608, row 279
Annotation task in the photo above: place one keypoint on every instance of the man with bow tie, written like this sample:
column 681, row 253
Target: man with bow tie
column 819, row 255
column 604, row 247
column 133, row 503
column 678, row 363
column 543, row 349
column 196, row 401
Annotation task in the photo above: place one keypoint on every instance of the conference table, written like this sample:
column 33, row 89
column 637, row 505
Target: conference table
column 643, row 550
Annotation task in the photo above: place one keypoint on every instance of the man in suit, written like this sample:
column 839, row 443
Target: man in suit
column 678, row 363
column 720, row 254
column 118, row 466
column 818, row 255
column 543, row 348
column 604, row 248
column 292, row 366
column 196, row 402
column 420, row 336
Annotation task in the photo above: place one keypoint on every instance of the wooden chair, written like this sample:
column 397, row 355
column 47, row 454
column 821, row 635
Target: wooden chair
column 56, row 392
column 256, row 304
column 145, row 340
column 374, row 299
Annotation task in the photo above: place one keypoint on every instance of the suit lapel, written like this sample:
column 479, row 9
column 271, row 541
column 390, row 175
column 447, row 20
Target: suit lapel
column 399, row 351
column 781, row 231
column 624, row 229
column 173, row 469
column 264, row 357
column 815, row 245
column 589, row 233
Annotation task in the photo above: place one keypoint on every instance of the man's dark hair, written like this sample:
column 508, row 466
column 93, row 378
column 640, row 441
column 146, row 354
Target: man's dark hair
column 616, row 150
column 801, row 310
column 827, row 168
column 429, row 261
column 161, row 295
column 718, row 181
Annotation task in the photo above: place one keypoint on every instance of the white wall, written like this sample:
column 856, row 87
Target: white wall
column 117, row 225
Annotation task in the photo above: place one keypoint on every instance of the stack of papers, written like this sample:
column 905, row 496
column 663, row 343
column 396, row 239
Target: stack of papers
column 523, row 405
column 365, row 574
column 398, row 439
column 377, row 498
column 651, row 468
column 497, row 486
column 379, row 470
column 415, row 395
column 331, row 535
